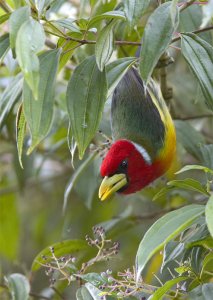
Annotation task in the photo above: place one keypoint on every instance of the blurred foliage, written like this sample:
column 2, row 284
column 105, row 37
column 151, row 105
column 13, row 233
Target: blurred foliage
column 50, row 197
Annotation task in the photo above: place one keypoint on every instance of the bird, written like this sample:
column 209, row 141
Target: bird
column 144, row 137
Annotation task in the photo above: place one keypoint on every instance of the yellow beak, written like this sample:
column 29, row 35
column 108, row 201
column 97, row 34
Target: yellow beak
column 110, row 185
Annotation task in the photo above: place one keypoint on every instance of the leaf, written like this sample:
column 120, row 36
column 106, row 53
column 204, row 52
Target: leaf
column 163, row 192
column 190, row 20
column 112, row 223
column 9, row 97
column 60, row 249
column 207, row 151
column 67, row 24
column 171, row 251
column 189, row 138
column 86, row 95
column 163, row 230
column 4, row 18
column 19, row 286
column 134, row 10
column 202, row 292
column 166, row 287
column 207, row 290
column 94, row 278
column 94, row 292
column 157, row 36
column 68, row 50
column 83, row 294
column 41, row 5
column 194, row 167
column 116, row 14
column 20, row 133
column 17, row 18
column 207, row 13
column 199, row 56
column 4, row 45
column 189, row 184
column 209, row 214
column 75, row 177
column 30, row 40
column 116, row 70
column 206, row 261
column 104, row 45
column 39, row 113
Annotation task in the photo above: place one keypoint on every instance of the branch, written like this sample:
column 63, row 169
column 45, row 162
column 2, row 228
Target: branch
column 194, row 117
column 5, row 6
column 186, row 4
column 195, row 32
column 139, row 218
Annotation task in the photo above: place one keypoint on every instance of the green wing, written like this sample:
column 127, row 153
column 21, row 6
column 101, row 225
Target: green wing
column 134, row 114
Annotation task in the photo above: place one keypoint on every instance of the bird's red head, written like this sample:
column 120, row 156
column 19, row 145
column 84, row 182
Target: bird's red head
column 127, row 168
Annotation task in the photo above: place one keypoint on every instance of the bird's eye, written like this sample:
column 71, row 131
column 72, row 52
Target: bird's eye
column 124, row 164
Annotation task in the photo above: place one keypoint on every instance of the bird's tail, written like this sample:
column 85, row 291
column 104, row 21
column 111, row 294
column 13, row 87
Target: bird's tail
column 167, row 153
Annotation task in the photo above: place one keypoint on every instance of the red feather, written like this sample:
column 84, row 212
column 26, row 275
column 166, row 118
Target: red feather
column 140, row 173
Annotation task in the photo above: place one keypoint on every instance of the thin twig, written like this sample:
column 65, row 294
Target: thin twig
column 5, row 6
column 151, row 215
column 195, row 32
column 194, row 117
column 186, row 4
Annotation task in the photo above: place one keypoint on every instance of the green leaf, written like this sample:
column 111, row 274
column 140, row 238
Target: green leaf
column 19, row 286
column 17, row 18
column 68, row 50
column 67, row 24
column 189, row 138
column 39, row 113
column 207, row 151
column 116, row 70
column 83, row 294
column 86, row 95
column 60, row 249
column 9, row 97
column 202, row 292
column 190, row 20
column 20, row 132
column 166, row 287
column 194, row 167
column 116, row 14
column 207, row 13
column 206, row 261
column 207, row 290
column 162, row 193
column 94, row 278
column 163, row 230
column 9, row 224
column 41, row 5
column 75, row 177
column 189, row 184
column 171, row 251
column 94, row 292
column 4, row 45
column 209, row 214
column 199, row 55
column 29, row 41
column 104, row 45
column 157, row 36
column 134, row 10
column 4, row 18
